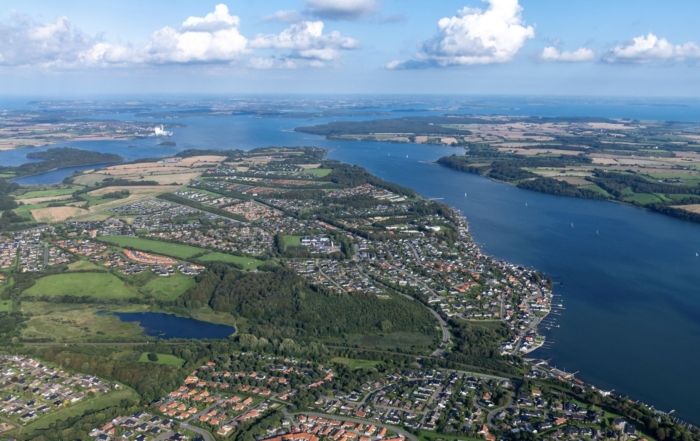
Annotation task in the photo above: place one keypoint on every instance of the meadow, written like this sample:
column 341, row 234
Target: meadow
column 166, row 359
column 98, row 285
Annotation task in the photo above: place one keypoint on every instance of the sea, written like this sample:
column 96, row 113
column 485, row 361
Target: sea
column 627, row 280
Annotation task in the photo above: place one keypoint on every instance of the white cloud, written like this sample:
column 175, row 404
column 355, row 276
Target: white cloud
column 649, row 48
column 24, row 42
column 474, row 36
column 291, row 16
column 343, row 9
column 306, row 41
column 214, row 38
column 551, row 53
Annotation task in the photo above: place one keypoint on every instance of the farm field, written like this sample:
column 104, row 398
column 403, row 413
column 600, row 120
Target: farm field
column 320, row 172
column 97, row 285
column 48, row 193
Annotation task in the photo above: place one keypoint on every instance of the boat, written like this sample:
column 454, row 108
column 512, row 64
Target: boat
column 572, row 225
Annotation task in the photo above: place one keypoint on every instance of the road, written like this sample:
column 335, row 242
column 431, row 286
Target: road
column 206, row 435
column 406, row 434
column 443, row 324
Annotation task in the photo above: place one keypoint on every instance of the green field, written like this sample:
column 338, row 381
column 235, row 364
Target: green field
column 154, row 246
column 596, row 189
column 82, row 265
column 5, row 305
column 99, row 285
column 170, row 360
column 320, row 172
column 643, row 198
column 98, row 403
column 292, row 241
column 353, row 363
column 47, row 193
column 248, row 263
column 168, row 288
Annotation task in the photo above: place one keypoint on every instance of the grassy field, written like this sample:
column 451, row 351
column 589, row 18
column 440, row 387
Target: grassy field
column 292, row 241
column 48, row 193
column 77, row 322
column 168, row 249
column 99, row 285
column 5, row 305
column 320, row 172
column 353, row 363
column 98, row 403
column 248, row 263
column 170, row 360
column 83, row 265
column 168, row 288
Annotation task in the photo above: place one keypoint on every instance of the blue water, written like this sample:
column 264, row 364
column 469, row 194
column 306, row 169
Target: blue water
column 169, row 326
column 631, row 293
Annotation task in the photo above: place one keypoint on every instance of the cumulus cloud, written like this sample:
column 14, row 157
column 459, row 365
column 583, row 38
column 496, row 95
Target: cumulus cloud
column 553, row 54
column 305, row 41
column 24, row 42
column 291, row 16
column 474, row 36
column 214, row 38
column 343, row 9
column 649, row 48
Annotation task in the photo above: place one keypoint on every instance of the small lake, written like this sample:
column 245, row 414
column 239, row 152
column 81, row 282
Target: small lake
column 167, row 326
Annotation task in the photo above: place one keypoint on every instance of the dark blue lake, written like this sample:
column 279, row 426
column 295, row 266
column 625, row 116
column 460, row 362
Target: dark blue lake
column 169, row 326
column 631, row 292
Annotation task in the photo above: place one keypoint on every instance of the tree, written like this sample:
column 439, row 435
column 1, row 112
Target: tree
column 152, row 356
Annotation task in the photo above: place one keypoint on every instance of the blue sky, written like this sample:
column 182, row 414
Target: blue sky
column 529, row 47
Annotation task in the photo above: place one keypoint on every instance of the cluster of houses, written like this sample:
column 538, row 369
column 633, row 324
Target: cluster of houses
column 140, row 426
column 31, row 389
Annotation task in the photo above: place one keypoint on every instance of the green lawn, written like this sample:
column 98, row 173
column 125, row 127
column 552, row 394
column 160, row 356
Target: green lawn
column 170, row 360
column 292, row 241
column 168, row 288
column 643, row 198
column 596, row 189
column 247, row 262
column 99, row 285
column 83, row 265
column 5, row 305
column 154, row 246
column 320, row 172
column 98, row 403
column 355, row 363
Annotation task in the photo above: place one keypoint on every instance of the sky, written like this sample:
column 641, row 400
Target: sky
column 471, row 47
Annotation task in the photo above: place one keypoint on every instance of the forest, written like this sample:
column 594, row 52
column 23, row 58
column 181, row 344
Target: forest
column 280, row 304
column 61, row 157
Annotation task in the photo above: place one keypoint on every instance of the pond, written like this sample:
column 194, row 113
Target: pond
column 167, row 326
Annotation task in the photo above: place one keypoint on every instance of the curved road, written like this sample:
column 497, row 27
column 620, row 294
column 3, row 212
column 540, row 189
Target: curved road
column 443, row 324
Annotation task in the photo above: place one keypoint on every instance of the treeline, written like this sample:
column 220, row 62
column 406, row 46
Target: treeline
column 414, row 125
column 353, row 175
column 477, row 345
column 616, row 183
column 559, row 188
column 291, row 155
column 199, row 206
column 120, row 194
column 61, row 157
column 280, row 304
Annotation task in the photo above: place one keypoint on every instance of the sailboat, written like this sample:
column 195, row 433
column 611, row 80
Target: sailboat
column 597, row 233
column 572, row 225
column 526, row 204
column 465, row 194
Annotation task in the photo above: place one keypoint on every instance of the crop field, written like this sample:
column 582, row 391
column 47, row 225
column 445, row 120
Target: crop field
column 168, row 249
column 98, row 285
column 56, row 214
column 168, row 359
